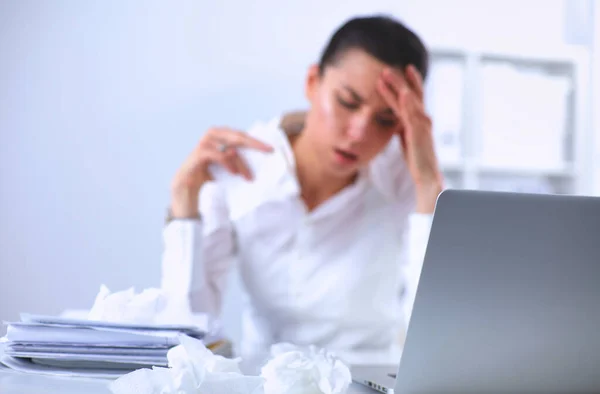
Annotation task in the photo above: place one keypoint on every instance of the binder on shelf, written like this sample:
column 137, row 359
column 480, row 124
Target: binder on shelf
column 444, row 102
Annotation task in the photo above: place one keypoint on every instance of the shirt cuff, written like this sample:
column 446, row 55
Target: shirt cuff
column 420, row 226
column 182, row 239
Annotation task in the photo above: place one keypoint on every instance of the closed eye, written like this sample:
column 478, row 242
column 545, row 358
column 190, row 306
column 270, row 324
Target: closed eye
column 347, row 104
column 387, row 122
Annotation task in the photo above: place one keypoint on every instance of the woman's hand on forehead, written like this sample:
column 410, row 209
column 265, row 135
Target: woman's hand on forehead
column 404, row 93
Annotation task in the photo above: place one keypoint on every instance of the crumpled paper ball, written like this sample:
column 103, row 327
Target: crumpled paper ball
column 151, row 306
column 126, row 306
column 193, row 369
column 304, row 370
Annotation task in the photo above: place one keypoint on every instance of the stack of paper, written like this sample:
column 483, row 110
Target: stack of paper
column 72, row 347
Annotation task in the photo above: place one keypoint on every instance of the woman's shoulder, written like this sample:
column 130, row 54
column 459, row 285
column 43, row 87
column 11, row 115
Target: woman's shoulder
column 272, row 133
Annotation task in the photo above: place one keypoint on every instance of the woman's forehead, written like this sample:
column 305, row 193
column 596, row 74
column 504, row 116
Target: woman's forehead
column 357, row 69
column 358, row 64
column 357, row 80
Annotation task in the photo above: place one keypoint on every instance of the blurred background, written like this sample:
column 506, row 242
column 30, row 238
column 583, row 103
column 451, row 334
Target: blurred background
column 101, row 101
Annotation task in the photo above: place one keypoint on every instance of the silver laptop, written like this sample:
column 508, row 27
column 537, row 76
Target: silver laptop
column 508, row 299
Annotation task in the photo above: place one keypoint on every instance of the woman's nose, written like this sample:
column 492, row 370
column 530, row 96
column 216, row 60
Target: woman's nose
column 358, row 128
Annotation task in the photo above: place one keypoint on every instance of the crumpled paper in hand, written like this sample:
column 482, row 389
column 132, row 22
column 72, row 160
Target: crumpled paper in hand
column 151, row 306
column 193, row 369
column 304, row 370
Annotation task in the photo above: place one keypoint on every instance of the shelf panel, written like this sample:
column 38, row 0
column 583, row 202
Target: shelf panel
column 564, row 171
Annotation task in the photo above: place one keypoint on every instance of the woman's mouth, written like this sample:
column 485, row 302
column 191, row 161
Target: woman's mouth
column 345, row 157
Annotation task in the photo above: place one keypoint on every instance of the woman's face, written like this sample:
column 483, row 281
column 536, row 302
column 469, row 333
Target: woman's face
column 349, row 123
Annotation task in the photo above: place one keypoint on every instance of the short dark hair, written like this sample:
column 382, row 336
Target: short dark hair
column 382, row 37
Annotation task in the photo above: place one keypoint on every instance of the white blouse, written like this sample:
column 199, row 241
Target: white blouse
column 343, row 276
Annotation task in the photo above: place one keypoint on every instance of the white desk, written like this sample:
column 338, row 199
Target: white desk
column 17, row 383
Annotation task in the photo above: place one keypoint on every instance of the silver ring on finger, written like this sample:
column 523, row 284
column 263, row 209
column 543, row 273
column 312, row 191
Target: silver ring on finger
column 222, row 147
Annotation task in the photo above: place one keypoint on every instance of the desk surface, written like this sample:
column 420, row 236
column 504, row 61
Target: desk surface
column 18, row 383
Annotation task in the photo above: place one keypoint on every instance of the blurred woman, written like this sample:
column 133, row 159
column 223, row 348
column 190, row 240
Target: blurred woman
column 326, row 212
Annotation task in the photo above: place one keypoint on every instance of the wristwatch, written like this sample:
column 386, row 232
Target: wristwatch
column 169, row 217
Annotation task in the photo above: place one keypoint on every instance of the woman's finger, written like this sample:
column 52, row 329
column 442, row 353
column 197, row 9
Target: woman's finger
column 241, row 166
column 225, row 159
column 389, row 95
column 238, row 139
column 411, row 79
column 230, row 160
column 412, row 105
column 402, row 137
column 414, row 80
column 408, row 103
column 401, row 92
column 394, row 79
column 398, row 104
column 398, row 101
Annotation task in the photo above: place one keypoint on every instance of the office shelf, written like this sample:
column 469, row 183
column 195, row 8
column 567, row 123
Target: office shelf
column 467, row 166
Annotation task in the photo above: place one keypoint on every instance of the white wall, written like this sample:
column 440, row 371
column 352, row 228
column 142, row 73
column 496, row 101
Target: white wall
column 100, row 102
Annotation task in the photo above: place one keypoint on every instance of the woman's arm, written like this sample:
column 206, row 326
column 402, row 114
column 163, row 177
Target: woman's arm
column 198, row 254
column 392, row 177
column 419, row 226
column 199, row 238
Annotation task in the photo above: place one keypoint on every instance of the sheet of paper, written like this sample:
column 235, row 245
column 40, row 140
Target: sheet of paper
column 31, row 332
column 194, row 331
column 27, row 366
column 160, row 361
column 87, row 349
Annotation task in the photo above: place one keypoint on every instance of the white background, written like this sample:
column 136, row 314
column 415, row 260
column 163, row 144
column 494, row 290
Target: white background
column 101, row 101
